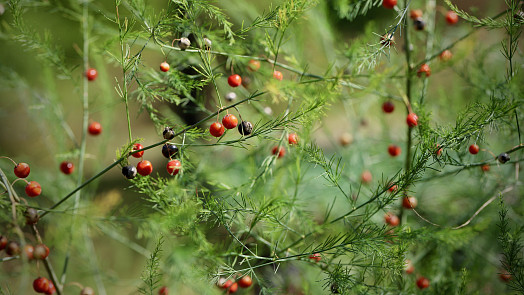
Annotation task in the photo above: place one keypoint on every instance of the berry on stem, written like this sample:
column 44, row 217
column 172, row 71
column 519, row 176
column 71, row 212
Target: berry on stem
column 173, row 167
column 207, row 43
column 409, row 202
column 419, row 24
column 424, row 69
column 485, row 167
column 506, row 277
column 234, row 80
column 168, row 150
column 12, row 248
column 245, row 281
column 184, row 43
column 451, row 17
column 94, row 128
column 366, row 176
column 168, row 133
column 129, row 171
column 415, row 13
column 136, row 147
column 31, row 216
column 232, row 289
column 412, row 120
column 163, row 291
column 164, row 67
column 503, row 158
column 394, row 150
column 445, row 55
column 67, row 167
column 224, row 284
column 253, row 65
column 33, row 189
column 230, row 121
column 388, row 107
column 41, row 252
column 41, row 285
column 91, row 74
column 391, row 219
column 473, row 149
column 389, row 4
column 409, row 268
column 3, row 242
column 292, row 138
column 422, row 283
column 278, row 75
column 51, row 290
column 316, row 257
column 28, row 250
column 230, row 96
column 280, row 151
column 216, row 129
column 392, row 188
column 245, row 128
column 22, row 170
column 144, row 167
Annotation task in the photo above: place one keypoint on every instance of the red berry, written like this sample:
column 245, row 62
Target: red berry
column 451, row 17
column 67, row 167
column 245, row 282
column 41, row 285
column 216, row 129
column 144, row 167
column 292, row 138
column 278, row 75
column 33, row 189
column 506, row 277
column 230, row 121
column 409, row 202
column 412, row 120
column 389, row 4
column 415, row 13
column 439, row 151
column 22, row 170
column 232, row 289
column 234, row 80
column 485, row 167
column 280, row 151
column 394, row 150
column 224, row 284
column 388, row 107
column 422, row 283
column 3, row 242
column 164, row 67
column 136, row 147
column 91, row 74
column 163, row 291
column 409, row 267
column 445, row 55
column 391, row 219
column 474, row 149
column 366, row 176
column 41, row 252
column 393, row 188
column 51, row 290
column 316, row 257
column 173, row 167
column 424, row 69
column 29, row 250
column 94, row 128
column 253, row 65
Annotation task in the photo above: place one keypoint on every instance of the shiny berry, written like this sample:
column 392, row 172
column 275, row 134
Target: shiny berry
column 409, row 202
column 184, row 43
column 280, row 151
column 230, row 121
column 144, row 167
column 136, row 147
column 412, row 120
column 168, row 133
column 234, row 80
column 224, row 284
column 451, row 17
column 394, row 150
column 503, row 158
column 445, row 55
column 232, row 289
column 231, row 96
column 316, row 257
column 33, row 189
column 485, row 167
column 164, row 67
column 474, row 149
column 41, row 252
column 424, row 70
column 415, row 13
column 366, row 176
column 245, row 282
column 31, row 216
column 168, row 150
column 292, row 138
column 41, row 285
column 173, row 167
column 129, row 171
column 506, row 277
column 245, row 128
column 12, row 248
column 163, row 291
column 389, row 4
column 3, row 242
column 392, row 188
column 419, row 24
column 22, row 170
column 388, row 107
column 91, row 74
column 278, row 75
column 253, row 65
column 87, row 291
column 28, row 251
column 67, row 167
column 216, row 129
column 51, row 290
column 94, row 128
column 422, row 283
column 391, row 219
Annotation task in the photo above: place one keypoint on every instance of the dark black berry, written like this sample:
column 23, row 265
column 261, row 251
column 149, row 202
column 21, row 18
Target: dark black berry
column 168, row 150
column 334, row 289
column 245, row 128
column 31, row 216
column 419, row 24
column 168, row 133
column 503, row 158
column 129, row 171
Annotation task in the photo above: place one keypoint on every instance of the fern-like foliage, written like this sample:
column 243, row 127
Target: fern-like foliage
column 152, row 275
